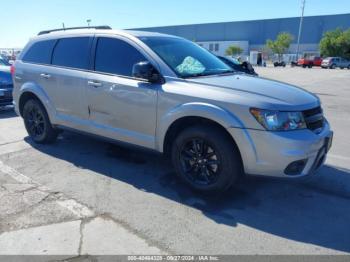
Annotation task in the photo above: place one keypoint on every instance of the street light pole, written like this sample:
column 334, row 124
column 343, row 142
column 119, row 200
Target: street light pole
column 300, row 27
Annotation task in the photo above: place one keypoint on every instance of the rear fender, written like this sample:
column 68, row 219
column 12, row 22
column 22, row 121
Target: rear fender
column 41, row 95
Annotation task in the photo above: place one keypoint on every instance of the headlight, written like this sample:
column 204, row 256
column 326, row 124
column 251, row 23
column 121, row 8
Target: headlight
column 279, row 121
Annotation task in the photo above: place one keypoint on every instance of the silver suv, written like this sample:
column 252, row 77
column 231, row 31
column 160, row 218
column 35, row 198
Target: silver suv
column 168, row 94
column 334, row 62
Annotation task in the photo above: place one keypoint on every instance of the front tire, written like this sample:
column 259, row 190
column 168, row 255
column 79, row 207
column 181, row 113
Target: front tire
column 206, row 159
column 37, row 123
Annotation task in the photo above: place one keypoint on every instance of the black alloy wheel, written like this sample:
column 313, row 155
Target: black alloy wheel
column 37, row 123
column 206, row 158
column 200, row 162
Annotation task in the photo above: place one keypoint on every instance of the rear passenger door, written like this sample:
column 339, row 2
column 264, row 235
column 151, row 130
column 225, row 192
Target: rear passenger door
column 71, row 60
column 121, row 107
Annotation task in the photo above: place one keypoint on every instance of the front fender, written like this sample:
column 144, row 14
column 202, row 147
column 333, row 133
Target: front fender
column 204, row 110
column 40, row 94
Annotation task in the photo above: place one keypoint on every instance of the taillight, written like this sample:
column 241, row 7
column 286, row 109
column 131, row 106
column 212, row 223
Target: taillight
column 13, row 70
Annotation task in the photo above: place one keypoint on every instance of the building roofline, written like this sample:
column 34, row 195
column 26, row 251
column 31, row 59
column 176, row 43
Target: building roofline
column 239, row 21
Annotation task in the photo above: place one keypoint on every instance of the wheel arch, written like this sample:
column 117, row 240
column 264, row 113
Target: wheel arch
column 193, row 114
column 30, row 91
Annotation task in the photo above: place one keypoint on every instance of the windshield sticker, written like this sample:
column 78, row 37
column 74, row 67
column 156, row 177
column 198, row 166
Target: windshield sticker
column 190, row 66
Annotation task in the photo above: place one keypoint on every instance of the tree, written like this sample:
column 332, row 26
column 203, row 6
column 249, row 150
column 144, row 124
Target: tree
column 281, row 44
column 336, row 43
column 233, row 50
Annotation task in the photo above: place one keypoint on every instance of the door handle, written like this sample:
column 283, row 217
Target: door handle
column 94, row 84
column 46, row 76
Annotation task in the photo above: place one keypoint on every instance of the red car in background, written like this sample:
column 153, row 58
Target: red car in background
column 310, row 62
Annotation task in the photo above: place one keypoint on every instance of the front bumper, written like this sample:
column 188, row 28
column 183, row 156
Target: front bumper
column 270, row 153
column 6, row 96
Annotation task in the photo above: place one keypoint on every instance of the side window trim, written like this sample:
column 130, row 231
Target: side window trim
column 93, row 54
column 52, row 51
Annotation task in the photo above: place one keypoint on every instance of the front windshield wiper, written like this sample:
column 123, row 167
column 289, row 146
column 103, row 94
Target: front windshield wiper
column 231, row 71
column 211, row 73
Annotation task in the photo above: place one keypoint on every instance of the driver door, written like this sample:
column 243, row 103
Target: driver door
column 120, row 106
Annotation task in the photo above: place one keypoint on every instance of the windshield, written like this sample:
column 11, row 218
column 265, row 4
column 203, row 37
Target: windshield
column 3, row 62
column 186, row 58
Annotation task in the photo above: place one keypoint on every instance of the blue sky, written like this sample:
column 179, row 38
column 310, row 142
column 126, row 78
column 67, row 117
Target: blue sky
column 21, row 19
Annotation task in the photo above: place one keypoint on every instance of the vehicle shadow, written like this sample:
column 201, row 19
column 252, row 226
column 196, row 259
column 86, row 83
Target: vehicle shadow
column 7, row 112
column 286, row 208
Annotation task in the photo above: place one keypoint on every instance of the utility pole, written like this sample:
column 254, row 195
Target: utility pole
column 64, row 28
column 300, row 27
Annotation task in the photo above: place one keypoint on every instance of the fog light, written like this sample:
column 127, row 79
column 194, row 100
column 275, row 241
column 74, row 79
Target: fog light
column 295, row 168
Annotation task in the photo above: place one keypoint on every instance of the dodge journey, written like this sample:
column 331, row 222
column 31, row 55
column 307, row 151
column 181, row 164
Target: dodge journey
column 170, row 95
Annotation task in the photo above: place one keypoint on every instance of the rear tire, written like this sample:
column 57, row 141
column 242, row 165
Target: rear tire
column 206, row 159
column 37, row 123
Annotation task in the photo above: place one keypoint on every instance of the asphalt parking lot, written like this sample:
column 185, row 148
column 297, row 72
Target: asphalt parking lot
column 82, row 195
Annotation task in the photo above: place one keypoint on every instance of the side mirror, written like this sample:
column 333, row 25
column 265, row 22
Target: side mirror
column 145, row 70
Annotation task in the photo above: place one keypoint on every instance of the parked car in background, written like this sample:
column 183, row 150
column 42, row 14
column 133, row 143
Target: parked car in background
column 335, row 62
column 9, row 57
column 310, row 62
column 168, row 94
column 281, row 63
column 344, row 63
column 317, row 61
column 3, row 58
column 4, row 65
column 6, row 85
column 235, row 64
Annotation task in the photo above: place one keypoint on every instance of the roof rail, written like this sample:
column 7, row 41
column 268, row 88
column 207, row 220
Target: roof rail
column 104, row 27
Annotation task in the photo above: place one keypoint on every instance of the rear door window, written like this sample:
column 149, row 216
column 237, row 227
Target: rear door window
column 72, row 52
column 40, row 52
column 115, row 56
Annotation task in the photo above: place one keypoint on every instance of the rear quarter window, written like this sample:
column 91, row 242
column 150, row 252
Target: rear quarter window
column 40, row 52
column 72, row 53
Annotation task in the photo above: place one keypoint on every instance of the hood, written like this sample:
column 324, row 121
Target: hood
column 274, row 92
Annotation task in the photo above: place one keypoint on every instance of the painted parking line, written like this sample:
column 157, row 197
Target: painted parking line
column 73, row 206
